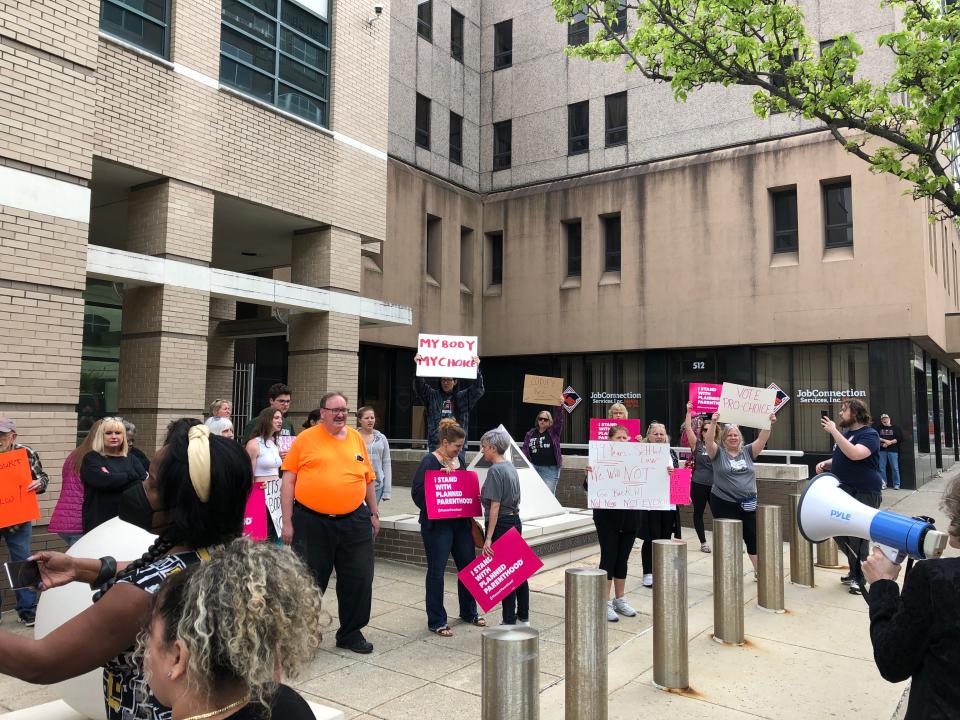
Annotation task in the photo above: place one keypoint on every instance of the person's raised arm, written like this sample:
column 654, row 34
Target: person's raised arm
column 853, row 452
column 472, row 394
column 709, row 437
column 688, row 429
column 558, row 419
column 422, row 388
column 757, row 446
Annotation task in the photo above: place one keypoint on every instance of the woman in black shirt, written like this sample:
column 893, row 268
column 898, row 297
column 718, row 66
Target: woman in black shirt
column 106, row 471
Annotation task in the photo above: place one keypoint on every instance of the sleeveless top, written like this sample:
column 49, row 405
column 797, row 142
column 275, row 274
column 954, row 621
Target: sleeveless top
column 125, row 691
column 268, row 461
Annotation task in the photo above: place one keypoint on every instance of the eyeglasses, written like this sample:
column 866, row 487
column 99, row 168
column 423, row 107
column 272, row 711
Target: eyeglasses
column 543, row 419
column 282, row 402
column 337, row 411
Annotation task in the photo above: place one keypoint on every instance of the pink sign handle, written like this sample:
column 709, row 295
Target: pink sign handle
column 680, row 486
column 452, row 495
column 491, row 579
column 255, row 514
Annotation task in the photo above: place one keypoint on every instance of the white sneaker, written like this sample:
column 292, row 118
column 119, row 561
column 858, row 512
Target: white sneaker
column 621, row 606
column 523, row 623
column 648, row 580
column 611, row 615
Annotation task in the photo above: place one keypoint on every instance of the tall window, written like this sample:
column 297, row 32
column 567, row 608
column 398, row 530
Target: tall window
column 279, row 53
column 433, row 252
column 456, row 35
column 466, row 259
column 573, row 229
column 578, row 127
column 611, row 243
column 785, row 238
column 503, row 44
column 502, row 141
column 615, row 111
column 495, row 246
column 577, row 32
column 838, row 214
column 423, row 121
column 141, row 22
column 456, row 139
column 619, row 25
column 425, row 19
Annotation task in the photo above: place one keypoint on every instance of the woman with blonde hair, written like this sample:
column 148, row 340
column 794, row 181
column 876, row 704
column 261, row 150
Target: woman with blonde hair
column 657, row 524
column 67, row 518
column 618, row 411
column 107, row 471
column 378, row 449
column 222, row 632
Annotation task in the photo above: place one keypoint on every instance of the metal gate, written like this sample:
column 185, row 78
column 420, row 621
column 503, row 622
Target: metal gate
column 242, row 395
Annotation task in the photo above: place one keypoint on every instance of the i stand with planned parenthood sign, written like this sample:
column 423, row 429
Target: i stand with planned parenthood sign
column 491, row 579
column 452, row 494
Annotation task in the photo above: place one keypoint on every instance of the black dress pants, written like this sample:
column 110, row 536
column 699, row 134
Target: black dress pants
column 344, row 544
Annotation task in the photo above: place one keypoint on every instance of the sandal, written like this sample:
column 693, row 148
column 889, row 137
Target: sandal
column 444, row 631
column 704, row 548
column 478, row 621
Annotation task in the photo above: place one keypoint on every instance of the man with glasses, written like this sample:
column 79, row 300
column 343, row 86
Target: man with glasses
column 279, row 397
column 330, row 516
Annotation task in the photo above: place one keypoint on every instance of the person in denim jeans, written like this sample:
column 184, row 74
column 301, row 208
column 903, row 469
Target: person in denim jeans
column 18, row 536
column 541, row 445
column 891, row 438
column 442, row 537
column 500, row 498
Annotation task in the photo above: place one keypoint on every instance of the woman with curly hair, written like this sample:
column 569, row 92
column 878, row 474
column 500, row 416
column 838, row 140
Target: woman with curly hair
column 223, row 631
column 193, row 498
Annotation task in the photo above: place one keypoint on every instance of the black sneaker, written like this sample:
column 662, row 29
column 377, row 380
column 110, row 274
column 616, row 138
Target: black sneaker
column 846, row 579
column 358, row 645
column 27, row 618
column 855, row 590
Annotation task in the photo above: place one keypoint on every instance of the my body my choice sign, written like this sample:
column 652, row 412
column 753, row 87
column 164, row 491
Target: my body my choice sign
column 447, row 356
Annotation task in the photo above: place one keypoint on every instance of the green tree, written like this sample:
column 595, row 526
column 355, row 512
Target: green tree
column 905, row 125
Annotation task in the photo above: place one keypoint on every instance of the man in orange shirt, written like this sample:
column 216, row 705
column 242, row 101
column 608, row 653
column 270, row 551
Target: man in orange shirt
column 327, row 476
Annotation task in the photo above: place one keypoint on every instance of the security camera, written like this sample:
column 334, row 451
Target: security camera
column 377, row 12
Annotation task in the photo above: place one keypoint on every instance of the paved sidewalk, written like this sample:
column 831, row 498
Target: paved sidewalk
column 814, row 661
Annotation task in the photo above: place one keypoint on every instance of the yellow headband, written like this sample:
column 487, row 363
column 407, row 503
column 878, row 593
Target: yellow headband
column 198, row 460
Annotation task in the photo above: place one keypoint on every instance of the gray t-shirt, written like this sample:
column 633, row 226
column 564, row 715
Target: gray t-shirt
column 703, row 465
column 503, row 486
column 734, row 478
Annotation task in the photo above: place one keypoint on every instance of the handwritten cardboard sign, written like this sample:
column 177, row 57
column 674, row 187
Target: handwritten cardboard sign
column 629, row 476
column 271, row 495
column 452, row 495
column 447, row 356
column 542, row 390
column 17, row 504
column 705, row 397
column 680, row 486
column 255, row 514
column 748, row 406
column 491, row 579
column 600, row 428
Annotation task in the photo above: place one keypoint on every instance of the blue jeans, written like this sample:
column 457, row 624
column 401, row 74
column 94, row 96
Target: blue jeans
column 378, row 489
column 18, row 543
column 440, row 539
column 893, row 458
column 69, row 539
column 550, row 474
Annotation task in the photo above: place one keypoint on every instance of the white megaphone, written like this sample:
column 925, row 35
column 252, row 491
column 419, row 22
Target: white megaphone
column 826, row 511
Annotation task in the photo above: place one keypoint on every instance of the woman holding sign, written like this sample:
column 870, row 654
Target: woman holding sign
column 541, row 445
column 265, row 459
column 734, row 493
column 656, row 524
column 443, row 537
column 702, row 479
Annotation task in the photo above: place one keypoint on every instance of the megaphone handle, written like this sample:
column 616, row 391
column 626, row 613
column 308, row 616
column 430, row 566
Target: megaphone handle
column 893, row 554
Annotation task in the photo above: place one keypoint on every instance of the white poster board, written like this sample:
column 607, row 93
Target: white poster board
column 629, row 476
column 272, row 495
column 446, row 356
column 747, row 406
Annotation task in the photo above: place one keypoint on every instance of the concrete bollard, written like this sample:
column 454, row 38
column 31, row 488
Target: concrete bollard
column 510, row 674
column 670, row 661
column 827, row 554
column 585, row 648
column 801, row 551
column 728, row 581
column 770, row 558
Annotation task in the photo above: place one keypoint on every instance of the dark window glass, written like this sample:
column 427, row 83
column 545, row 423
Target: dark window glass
column 503, row 44
column 425, row 19
column 496, row 258
column 615, row 110
column 456, row 139
column 578, row 128
column 838, row 214
column 456, row 35
column 573, row 248
column 619, row 26
column 277, row 52
column 577, row 32
column 611, row 244
column 844, row 77
column 502, row 142
column 423, row 121
column 141, row 22
column 785, row 238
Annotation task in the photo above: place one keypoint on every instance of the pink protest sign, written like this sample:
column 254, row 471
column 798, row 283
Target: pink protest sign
column 680, row 486
column 705, row 397
column 600, row 427
column 255, row 514
column 452, row 495
column 491, row 579
column 285, row 442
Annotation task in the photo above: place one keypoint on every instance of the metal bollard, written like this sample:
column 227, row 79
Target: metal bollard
column 585, row 643
column 728, row 581
column 510, row 674
column 801, row 551
column 770, row 558
column 827, row 554
column 670, row 662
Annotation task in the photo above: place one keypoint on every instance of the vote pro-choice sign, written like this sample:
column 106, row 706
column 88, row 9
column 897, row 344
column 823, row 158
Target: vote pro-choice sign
column 446, row 356
column 745, row 405
column 600, row 428
column 491, row 579
column 705, row 397
column 452, row 495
